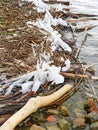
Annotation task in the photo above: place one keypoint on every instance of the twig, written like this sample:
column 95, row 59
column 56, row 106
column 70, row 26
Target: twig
column 87, row 15
column 93, row 90
column 71, row 75
column 80, row 19
column 87, row 67
column 83, row 28
column 84, row 39
column 56, row 1
column 72, row 15
column 71, row 92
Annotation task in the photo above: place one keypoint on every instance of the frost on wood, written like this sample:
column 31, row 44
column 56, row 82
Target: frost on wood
column 47, row 23
column 55, row 37
column 40, row 76
column 44, row 70
column 42, row 7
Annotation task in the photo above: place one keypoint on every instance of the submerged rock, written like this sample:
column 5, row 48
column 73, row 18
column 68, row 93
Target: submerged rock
column 37, row 118
column 94, row 126
column 54, row 127
column 91, row 117
column 51, row 118
column 79, row 113
column 88, row 104
column 64, row 111
column 63, row 124
column 52, row 111
column 35, row 127
column 79, row 123
column 80, row 104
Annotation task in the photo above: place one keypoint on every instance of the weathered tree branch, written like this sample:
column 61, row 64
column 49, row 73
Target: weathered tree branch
column 32, row 106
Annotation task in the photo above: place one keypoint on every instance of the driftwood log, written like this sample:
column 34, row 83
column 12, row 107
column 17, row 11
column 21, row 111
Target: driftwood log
column 32, row 106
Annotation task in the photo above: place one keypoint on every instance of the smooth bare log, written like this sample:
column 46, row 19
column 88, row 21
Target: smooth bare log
column 32, row 106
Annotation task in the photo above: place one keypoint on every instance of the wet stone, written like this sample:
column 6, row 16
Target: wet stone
column 79, row 113
column 37, row 117
column 88, row 104
column 63, row 124
column 51, row 118
column 94, row 126
column 35, row 127
column 52, row 111
column 54, row 127
column 79, row 123
column 64, row 111
column 91, row 117
column 80, row 104
column 48, row 124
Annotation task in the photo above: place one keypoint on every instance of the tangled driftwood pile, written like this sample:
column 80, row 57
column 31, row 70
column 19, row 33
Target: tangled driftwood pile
column 41, row 59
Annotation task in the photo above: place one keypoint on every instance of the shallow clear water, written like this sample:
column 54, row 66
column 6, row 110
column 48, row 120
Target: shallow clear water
column 85, row 6
column 89, row 51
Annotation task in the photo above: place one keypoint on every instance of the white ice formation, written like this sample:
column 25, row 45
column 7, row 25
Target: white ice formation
column 44, row 71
